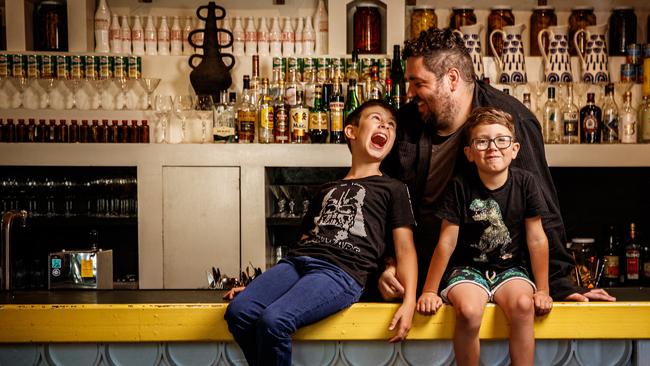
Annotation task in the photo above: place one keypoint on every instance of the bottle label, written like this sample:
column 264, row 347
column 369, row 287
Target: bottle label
column 336, row 116
column 290, row 96
column 136, row 35
column 611, row 269
column 175, row 35
column 223, row 131
column 246, row 121
column 266, row 117
column 299, row 117
column 628, row 128
column 281, row 124
column 590, row 124
column 570, row 123
column 318, row 121
column 114, row 34
column 101, row 24
column 250, row 36
column 632, row 265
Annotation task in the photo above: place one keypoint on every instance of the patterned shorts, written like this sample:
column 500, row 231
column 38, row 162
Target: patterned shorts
column 490, row 281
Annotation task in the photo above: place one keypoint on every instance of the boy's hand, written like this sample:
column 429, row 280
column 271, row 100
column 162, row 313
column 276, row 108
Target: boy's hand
column 429, row 303
column 402, row 320
column 389, row 286
column 543, row 302
column 233, row 292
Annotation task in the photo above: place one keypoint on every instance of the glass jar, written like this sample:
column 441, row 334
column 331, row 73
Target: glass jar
column 422, row 18
column 51, row 26
column 463, row 15
column 500, row 16
column 542, row 18
column 622, row 30
column 580, row 18
column 583, row 251
column 367, row 30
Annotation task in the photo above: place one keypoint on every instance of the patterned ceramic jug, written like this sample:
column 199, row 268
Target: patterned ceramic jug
column 594, row 59
column 472, row 37
column 557, row 62
column 511, row 68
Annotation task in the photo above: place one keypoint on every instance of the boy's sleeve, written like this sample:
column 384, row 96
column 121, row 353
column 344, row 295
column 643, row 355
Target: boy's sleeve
column 401, row 213
column 314, row 209
column 450, row 203
column 535, row 204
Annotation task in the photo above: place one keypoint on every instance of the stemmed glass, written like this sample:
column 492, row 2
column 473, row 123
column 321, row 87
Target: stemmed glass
column 21, row 83
column 48, row 85
column 149, row 85
column 538, row 88
column 73, row 84
column 183, row 105
column 163, row 106
column 205, row 110
column 98, row 83
column 125, row 84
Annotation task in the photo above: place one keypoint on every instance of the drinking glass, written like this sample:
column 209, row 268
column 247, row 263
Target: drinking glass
column 99, row 84
column 125, row 84
column 149, row 85
column 21, row 83
column 205, row 111
column 163, row 106
column 73, row 84
column 538, row 88
column 183, row 106
column 48, row 85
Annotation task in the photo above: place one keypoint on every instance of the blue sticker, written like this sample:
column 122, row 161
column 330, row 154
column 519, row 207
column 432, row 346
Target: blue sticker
column 56, row 263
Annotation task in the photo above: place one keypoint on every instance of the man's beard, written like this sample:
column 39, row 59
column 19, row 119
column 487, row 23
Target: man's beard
column 443, row 118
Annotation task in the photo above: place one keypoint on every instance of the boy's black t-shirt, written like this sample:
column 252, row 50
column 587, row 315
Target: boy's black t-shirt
column 492, row 232
column 348, row 222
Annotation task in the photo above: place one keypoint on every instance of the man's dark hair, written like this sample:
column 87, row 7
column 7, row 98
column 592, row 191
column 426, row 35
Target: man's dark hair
column 441, row 49
column 354, row 117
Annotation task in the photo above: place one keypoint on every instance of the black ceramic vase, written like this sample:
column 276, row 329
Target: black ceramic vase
column 211, row 75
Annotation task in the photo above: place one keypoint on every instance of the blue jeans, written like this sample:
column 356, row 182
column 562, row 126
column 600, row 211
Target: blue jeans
column 295, row 292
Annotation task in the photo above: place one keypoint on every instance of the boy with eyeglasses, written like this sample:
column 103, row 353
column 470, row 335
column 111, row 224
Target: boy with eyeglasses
column 493, row 215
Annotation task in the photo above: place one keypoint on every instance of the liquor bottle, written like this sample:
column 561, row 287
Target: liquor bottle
column 398, row 94
column 352, row 101
column 250, row 38
column 232, row 106
column 125, row 35
column 256, row 82
column 61, row 131
column 570, row 114
column 144, row 132
column 114, row 37
column 318, row 119
column 114, row 132
column 645, row 265
column 104, row 132
column 590, row 121
column 288, row 37
column 376, row 89
column 291, row 93
column 84, row 131
column 238, row 38
column 352, row 71
column 41, row 131
column 308, row 38
column 389, row 91
column 187, row 28
column 51, row 131
column 265, row 108
column 9, row 131
column 137, row 37
column 246, row 114
column 94, row 132
column 611, row 264
column 551, row 128
column 281, row 125
column 102, row 20
column 336, row 104
column 321, row 24
column 150, row 37
column 610, row 116
column 176, row 37
column 275, row 38
column 263, row 38
column 298, row 37
column 644, row 120
column 310, row 89
column 527, row 103
column 299, row 117
column 21, row 131
column 632, row 258
column 163, row 36
column 31, row 131
column 224, row 120
column 628, row 121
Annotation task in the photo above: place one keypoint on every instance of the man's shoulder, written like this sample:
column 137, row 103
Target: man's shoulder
column 489, row 96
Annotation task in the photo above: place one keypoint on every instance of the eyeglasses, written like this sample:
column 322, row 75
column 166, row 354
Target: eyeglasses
column 501, row 142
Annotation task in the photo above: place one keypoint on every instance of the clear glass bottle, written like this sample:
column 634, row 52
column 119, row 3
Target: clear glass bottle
column 570, row 119
column 187, row 28
column 644, row 120
column 526, row 101
column 250, row 37
column 291, row 93
column 322, row 28
column 150, row 45
column 137, row 36
column 265, row 108
column 176, row 37
column 309, row 87
column 298, row 45
column 376, row 89
column 288, row 37
column 102, row 22
column 628, row 124
column 125, row 35
column 299, row 117
column 238, row 38
column 308, row 38
column 246, row 115
column 551, row 128
column 263, row 38
column 352, row 71
column 223, row 130
column 275, row 38
column 610, row 117
column 114, row 35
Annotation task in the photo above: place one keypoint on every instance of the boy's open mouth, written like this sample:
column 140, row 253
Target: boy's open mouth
column 379, row 139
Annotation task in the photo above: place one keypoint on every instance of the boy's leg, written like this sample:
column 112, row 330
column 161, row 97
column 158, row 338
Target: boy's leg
column 515, row 298
column 324, row 289
column 245, row 309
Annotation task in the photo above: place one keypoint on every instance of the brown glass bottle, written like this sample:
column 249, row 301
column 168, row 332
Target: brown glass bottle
column 611, row 262
column 134, row 132
column 104, row 132
column 542, row 18
column 114, row 132
column 41, row 131
column 124, row 131
column 31, row 131
column 462, row 15
column 580, row 18
column 622, row 30
column 61, row 131
column 51, row 131
column 73, row 131
column 51, row 26
column 21, row 131
column 84, row 131
column 367, row 30
column 632, row 258
column 144, row 132
column 500, row 16
column 590, row 121
column 281, row 127
column 94, row 132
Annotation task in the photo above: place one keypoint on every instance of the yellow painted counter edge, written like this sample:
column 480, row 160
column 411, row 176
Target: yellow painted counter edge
column 363, row 321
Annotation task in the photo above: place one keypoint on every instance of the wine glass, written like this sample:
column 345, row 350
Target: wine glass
column 538, row 88
column 99, row 83
column 73, row 84
column 125, row 84
column 205, row 110
column 149, row 85
column 48, row 85
column 183, row 105
column 21, row 83
column 163, row 105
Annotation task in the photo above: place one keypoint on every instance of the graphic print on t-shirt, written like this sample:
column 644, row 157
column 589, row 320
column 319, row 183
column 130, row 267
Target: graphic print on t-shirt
column 496, row 235
column 342, row 208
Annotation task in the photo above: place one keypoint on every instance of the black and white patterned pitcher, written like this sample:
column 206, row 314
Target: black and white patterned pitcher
column 471, row 35
column 557, row 62
column 594, row 59
column 511, row 67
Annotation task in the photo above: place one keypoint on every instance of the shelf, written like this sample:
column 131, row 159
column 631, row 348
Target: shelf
column 283, row 221
column 82, row 220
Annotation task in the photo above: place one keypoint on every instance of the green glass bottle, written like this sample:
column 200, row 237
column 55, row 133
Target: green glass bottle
column 318, row 119
column 352, row 101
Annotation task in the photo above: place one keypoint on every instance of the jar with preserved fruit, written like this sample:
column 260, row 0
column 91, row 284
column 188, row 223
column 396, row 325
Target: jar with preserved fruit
column 367, row 30
column 422, row 18
column 622, row 30
column 542, row 18
column 580, row 18
column 462, row 15
column 500, row 16
column 51, row 26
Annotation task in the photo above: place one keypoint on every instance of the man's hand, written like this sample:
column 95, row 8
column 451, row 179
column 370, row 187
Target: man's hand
column 233, row 292
column 429, row 303
column 389, row 286
column 597, row 294
column 402, row 320
column 543, row 302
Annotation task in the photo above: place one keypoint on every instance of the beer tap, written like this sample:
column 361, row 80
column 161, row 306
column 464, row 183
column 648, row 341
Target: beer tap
column 7, row 220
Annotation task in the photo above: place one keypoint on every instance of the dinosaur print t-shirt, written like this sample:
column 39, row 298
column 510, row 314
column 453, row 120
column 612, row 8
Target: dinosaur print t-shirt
column 348, row 222
column 492, row 229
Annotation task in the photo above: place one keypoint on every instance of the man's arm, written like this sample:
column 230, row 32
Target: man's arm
column 407, row 270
